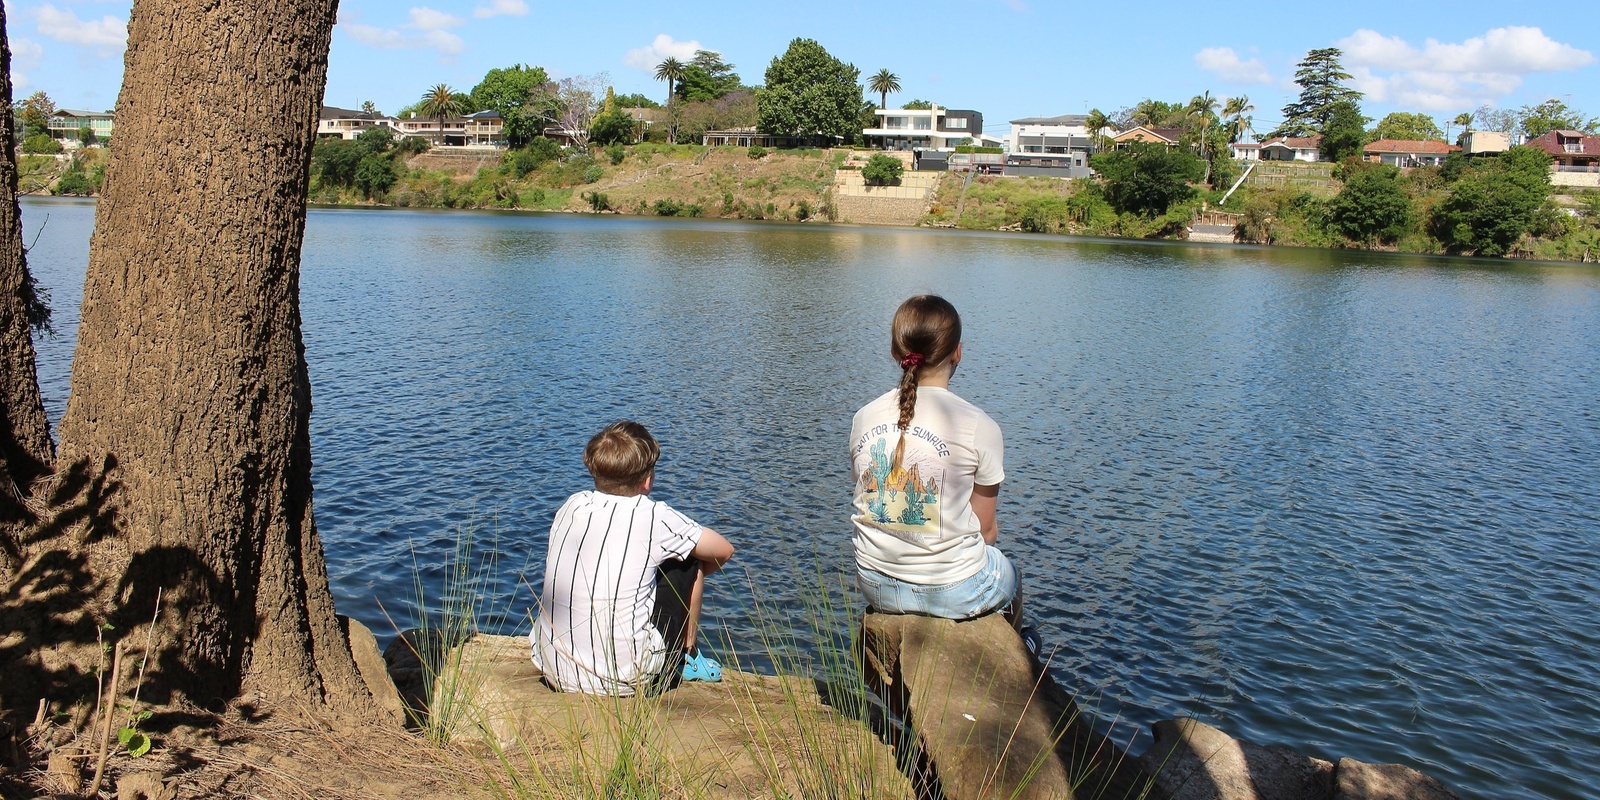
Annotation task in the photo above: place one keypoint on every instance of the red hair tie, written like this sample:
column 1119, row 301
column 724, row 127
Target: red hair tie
column 911, row 361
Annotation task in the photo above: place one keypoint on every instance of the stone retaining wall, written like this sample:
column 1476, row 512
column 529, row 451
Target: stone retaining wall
column 880, row 210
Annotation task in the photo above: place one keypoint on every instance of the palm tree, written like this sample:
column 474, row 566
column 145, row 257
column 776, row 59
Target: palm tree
column 670, row 70
column 1202, row 109
column 1097, row 122
column 1464, row 119
column 883, row 83
column 440, row 102
column 1150, row 112
column 1235, row 113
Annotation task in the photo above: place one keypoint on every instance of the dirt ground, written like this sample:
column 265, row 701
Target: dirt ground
column 268, row 758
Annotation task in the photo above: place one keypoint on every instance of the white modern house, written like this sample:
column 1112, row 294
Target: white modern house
column 66, row 123
column 928, row 129
column 1060, row 135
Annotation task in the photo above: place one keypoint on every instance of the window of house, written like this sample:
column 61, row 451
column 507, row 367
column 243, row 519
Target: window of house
column 955, row 123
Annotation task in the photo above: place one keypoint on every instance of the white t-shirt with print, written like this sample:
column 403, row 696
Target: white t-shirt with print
column 916, row 523
column 593, row 632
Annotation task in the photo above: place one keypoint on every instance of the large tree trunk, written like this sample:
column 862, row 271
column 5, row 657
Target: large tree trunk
column 185, row 458
column 25, row 448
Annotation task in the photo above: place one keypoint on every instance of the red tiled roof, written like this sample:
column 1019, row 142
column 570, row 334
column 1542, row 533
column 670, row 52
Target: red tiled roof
column 1245, row 144
column 1549, row 143
column 1431, row 147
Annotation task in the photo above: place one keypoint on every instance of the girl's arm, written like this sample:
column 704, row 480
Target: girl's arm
column 984, row 501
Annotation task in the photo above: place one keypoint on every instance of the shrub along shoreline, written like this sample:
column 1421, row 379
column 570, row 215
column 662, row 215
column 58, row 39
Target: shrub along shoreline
column 1495, row 207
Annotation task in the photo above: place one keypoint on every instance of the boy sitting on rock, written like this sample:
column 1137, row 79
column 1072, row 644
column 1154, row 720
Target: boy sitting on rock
column 623, row 579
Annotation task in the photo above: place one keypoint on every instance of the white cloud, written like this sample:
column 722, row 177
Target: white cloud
column 427, row 19
column 107, row 35
column 427, row 30
column 1227, row 65
column 646, row 58
column 501, row 8
column 1443, row 76
column 25, row 55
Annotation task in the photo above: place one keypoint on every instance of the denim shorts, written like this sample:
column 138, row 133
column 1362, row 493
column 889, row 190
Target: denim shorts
column 990, row 589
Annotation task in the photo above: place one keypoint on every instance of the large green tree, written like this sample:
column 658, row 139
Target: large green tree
column 707, row 77
column 1495, row 203
column 34, row 115
column 1146, row 177
column 1554, row 115
column 1408, row 127
column 510, row 92
column 1372, row 207
column 810, row 93
column 1321, row 79
column 1344, row 132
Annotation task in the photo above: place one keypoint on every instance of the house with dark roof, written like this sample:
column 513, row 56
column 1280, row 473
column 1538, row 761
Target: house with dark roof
column 1292, row 148
column 1408, row 152
column 1569, row 148
column 343, row 123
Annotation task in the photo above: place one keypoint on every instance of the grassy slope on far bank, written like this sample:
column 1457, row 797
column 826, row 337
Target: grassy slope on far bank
column 681, row 180
column 1286, row 211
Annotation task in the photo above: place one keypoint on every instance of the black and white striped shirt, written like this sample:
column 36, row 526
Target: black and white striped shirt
column 593, row 631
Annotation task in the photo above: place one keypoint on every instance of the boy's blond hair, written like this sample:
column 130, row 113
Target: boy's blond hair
column 620, row 457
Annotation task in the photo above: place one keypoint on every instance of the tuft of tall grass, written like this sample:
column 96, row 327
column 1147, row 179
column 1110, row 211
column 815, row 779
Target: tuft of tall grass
column 816, row 731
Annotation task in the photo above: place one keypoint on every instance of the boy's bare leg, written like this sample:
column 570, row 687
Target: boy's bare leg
column 692, row 627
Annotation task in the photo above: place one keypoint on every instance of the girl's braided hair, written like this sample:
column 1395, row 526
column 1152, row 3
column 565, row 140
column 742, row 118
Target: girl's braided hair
column 924, row 335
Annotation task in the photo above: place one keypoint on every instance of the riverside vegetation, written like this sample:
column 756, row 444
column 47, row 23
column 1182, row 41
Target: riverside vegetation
column 1494, row 206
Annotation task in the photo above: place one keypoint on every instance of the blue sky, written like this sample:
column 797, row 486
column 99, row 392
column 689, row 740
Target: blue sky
column 1005, row 58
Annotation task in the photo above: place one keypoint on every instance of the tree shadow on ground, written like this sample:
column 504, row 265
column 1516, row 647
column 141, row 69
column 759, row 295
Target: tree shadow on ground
column 60, row 621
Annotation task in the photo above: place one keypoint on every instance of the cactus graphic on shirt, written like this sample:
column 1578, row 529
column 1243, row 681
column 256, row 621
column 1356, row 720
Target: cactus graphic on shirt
column 880, row 472
column 912, row 515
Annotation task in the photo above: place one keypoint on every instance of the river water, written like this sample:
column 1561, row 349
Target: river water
column 1342, row 501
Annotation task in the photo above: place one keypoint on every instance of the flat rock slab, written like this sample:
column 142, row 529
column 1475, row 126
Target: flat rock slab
column 988, row 719
column 1361, row 781
column 1195, row 761
column 749, row 735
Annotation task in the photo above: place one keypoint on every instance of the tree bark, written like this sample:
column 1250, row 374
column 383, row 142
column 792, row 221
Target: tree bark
column 185, row 458
column 25, row 448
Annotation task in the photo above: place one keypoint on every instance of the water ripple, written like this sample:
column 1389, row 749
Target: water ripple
column 1340, row 501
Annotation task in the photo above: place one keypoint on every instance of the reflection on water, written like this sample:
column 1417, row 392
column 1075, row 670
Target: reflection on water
column 1340, row 501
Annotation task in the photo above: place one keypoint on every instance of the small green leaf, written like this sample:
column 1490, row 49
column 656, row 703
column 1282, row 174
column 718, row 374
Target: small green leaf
column 136, row 742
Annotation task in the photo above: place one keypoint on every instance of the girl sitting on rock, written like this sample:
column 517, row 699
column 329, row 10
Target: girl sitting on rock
column 928, row 467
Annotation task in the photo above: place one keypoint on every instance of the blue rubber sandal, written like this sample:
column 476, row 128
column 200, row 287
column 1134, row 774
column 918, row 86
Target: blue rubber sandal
column 700, row 667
